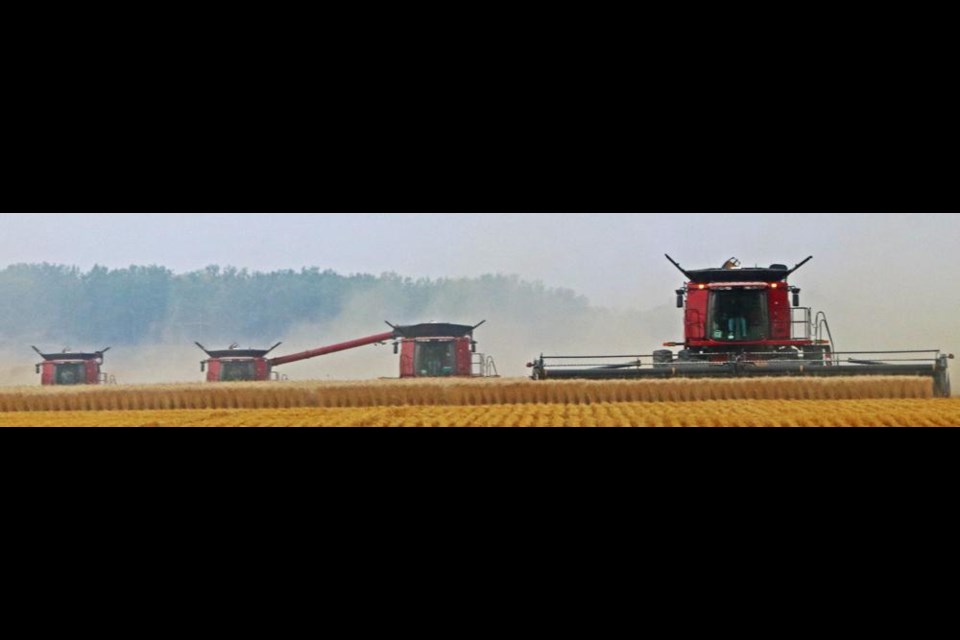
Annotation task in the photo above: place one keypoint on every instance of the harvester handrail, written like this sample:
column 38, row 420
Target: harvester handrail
column 893, row 351
column 803, row 322
column 885, row 360
column 621, row 355
column 598, row 364
column 752, row 353
column 734, row 352
column 752, row 357
column 821, row 316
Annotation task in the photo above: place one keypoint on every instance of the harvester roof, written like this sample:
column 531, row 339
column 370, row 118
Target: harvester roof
column 732, row 272
column 71, row 355
column 774, row 273
column 434, row 330
column 236, row 353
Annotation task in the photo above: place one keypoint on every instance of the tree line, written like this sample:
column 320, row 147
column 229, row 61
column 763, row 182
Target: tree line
column 55, row 304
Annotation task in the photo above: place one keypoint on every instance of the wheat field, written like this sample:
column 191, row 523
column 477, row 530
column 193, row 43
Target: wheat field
column 705, row 413
column 866, row 401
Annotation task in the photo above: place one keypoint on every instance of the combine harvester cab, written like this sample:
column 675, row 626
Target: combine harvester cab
column 235, row 365
column 440, row 349
column 67, row 367
column 433, row 349
column 739, row 322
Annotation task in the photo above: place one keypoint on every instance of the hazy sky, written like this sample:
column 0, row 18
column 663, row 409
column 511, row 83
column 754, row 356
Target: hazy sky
column 616, row 260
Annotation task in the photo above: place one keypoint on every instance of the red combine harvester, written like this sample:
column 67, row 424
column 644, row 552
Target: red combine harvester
column 432, row 349
column 67, row 367
column 739, row 322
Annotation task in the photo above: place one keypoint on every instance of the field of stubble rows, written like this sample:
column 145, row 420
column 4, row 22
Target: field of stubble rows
column 868, row 401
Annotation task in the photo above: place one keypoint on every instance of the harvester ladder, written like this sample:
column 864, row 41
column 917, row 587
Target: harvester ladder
column 482, row 366
column 820, row 325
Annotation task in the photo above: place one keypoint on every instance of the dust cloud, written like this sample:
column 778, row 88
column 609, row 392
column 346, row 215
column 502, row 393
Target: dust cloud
column 512, row 334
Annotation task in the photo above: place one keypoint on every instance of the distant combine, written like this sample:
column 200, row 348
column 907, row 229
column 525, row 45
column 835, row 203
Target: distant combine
column 67, row 367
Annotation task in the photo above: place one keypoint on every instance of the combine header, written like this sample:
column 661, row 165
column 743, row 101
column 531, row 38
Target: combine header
column 67, row 367
column 433, row 349
column 738, row 322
